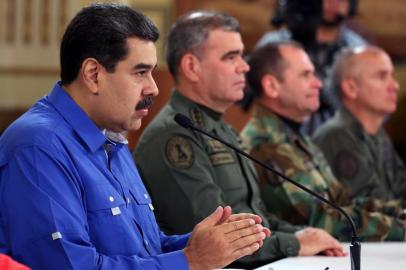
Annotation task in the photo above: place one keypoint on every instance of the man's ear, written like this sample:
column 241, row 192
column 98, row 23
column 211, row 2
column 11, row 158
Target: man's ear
column 90, row 71
column 270, row 86
column 349, row 88
column 190, row 67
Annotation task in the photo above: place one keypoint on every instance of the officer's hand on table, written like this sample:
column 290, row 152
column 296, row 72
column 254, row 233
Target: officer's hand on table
column 314, row 241
column 222, row 238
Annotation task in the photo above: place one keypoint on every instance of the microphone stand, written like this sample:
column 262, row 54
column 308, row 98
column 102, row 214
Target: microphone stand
column 355, row 248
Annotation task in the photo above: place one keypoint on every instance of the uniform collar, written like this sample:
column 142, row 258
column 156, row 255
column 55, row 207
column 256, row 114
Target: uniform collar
column 351, row 122
column 281, row 131
column 202, row 116
column 90, row 134
column 269, row 120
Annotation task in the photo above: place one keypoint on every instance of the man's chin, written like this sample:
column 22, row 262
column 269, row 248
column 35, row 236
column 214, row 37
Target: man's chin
column 313, row 105
column 392, row 109
column 239, row 96
column 134, row 125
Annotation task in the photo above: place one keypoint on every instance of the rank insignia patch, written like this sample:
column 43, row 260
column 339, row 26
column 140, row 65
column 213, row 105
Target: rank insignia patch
column 346, row 164
column 179, row 152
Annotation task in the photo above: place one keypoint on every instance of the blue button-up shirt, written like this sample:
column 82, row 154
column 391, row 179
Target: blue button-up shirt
column 64, row 205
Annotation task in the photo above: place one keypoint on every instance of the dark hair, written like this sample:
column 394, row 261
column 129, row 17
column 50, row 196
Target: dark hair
column 190, row 32
column 303, row 17
column 300, row 8
column 101, row 31
column 264, row 60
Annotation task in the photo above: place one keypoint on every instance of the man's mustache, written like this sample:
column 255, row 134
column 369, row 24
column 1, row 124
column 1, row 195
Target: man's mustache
column 145, row 103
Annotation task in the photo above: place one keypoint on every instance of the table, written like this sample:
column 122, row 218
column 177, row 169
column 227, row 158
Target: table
column 374, row 256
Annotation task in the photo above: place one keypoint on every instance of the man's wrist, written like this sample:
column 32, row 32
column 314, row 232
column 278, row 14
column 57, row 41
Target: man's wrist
column 193, row 265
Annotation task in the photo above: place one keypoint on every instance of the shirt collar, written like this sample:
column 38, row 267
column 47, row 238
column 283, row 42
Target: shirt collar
column 115, row 137
column 76, row 118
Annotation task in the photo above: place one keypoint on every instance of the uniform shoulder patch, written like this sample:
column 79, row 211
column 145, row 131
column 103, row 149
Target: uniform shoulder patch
column 346, row 164
column 179, row 152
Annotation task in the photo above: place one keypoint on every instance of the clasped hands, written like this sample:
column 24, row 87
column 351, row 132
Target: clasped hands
column 223, row 237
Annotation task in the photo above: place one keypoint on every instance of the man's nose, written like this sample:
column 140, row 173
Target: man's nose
column 243, row 66
column 395, row 85
column 317, row 83
column 152, row 89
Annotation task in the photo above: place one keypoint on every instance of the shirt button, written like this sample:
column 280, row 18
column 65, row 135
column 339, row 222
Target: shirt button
column 128, row 200
column 111, row 199
column 146, row 196
column 146, row 242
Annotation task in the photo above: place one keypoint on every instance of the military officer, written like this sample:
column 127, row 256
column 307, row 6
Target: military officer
column 204, row 55
column 354, row 141
column 286, row 91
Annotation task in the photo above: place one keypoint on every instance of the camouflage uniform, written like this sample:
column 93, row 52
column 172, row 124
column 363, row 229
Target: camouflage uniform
column 367, row 165
column 274, row 142
column 188, row 175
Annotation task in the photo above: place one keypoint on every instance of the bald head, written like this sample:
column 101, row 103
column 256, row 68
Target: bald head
column 351, row 63
column 364, row 78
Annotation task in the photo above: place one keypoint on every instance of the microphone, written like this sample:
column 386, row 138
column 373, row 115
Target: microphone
column 355, row 248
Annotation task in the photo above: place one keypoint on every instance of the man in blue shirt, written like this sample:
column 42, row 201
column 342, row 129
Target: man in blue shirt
column 70, row 195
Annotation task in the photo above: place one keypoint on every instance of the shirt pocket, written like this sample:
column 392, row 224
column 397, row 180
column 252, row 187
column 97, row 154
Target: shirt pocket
column 145, row 218
column 111, row 227
column 100, row 199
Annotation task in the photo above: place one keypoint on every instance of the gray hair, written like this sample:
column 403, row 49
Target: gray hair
column 346, row 64
column 190, row 32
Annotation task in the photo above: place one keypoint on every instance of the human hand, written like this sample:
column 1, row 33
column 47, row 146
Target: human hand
column 314, row 241
column 242, row 216
column 335, row 252
column 235, row 239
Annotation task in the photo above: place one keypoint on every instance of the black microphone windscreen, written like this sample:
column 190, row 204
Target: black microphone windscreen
column 183, row 120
